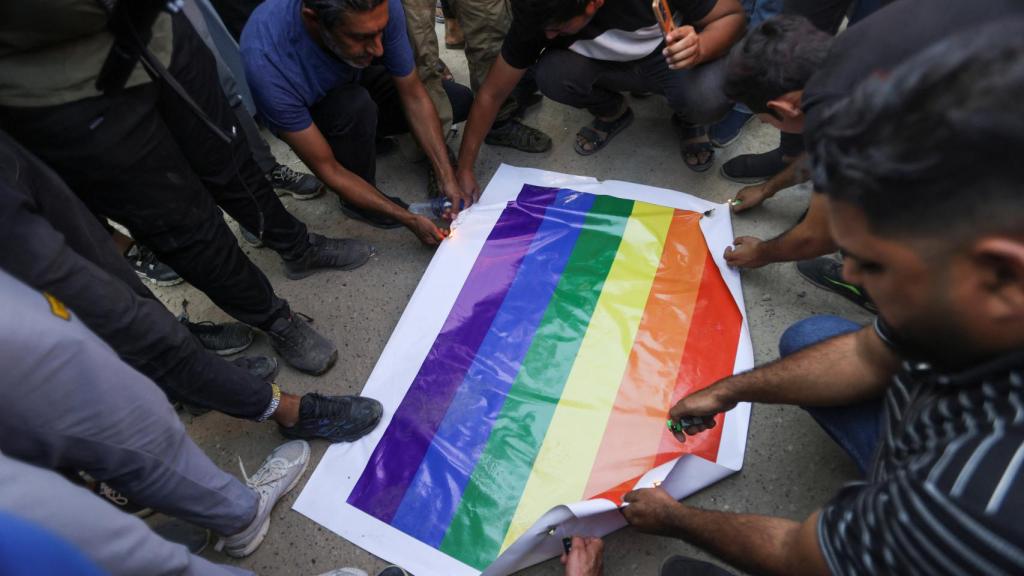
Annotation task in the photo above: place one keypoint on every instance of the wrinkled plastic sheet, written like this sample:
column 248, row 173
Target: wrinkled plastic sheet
column 527, row 384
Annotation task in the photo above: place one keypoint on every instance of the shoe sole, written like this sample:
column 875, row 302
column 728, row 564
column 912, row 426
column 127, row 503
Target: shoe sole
column 265, row 527
column 831, row 290
column 742, row 180
column 160, row 283
column 284, row 191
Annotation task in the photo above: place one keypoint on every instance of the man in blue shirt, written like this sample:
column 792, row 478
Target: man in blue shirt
column 329, row 77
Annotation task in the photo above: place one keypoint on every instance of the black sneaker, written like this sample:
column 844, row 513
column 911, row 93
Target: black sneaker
column 335, row 418
column 753, row 168
column 515, row 134
column 145, row 264
column 826, row 273
column 300, row 186
column 221, row 339
column 329, row 254
column 302, row 347
column 263, row 367
column 250, row 238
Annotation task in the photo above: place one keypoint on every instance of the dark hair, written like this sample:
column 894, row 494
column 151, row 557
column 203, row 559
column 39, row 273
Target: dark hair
column 777, row 56
column 934, row 149
column 330, row 12
column 541, row 13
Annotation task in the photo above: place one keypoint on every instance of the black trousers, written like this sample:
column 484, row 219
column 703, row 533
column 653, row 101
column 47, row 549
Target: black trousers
column 351, row 117
column 597, row 85
column 50, row 241
column 144, row 159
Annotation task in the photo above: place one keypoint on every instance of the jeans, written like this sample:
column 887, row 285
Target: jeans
column 855, row 428
column 144, row 159
column 352, row 116
column 597, row 85
column 62, row 249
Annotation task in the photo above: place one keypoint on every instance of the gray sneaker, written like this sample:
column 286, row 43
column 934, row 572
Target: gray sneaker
column 300, row 186
column 301, row 346
column 280, row 472
column 329, row 254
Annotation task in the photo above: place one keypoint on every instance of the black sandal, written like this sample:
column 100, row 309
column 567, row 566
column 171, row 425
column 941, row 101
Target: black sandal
column 592, row 134
column 692, row 150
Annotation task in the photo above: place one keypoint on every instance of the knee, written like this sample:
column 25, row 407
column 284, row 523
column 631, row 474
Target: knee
column 556, row 74
column 699, row 107
column 461, row 99
column 347, row 110
column 810, row 331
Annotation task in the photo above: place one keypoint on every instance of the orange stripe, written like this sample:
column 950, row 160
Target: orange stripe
column 710, row 356
column 632, row 434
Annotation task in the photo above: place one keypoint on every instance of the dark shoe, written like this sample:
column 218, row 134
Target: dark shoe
column 221, row 339
column 302, row 347
column 374, row 219
column 263, row 367
column 753, row 168
column 677, row 565
column 145, row 264
column 728, row 129
column 250, row 238
column 300, row 186
column 515, row 134
column 180, row 532
column 393, row 571
column 335, row 418
column 329, row 254
column 826, row 273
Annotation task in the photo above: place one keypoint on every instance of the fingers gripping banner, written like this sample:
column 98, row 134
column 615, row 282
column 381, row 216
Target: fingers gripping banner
column 527, row 385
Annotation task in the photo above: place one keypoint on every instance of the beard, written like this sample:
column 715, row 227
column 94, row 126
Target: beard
column 936, row 335
column 336, row 51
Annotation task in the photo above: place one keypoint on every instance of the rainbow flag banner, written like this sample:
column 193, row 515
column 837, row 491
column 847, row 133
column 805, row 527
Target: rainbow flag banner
column 527, row 386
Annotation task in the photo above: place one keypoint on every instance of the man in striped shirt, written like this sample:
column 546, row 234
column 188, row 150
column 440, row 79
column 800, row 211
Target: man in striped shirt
column 921, row 173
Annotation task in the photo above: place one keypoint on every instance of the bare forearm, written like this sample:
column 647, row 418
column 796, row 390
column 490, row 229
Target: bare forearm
column 360, row 193
column 839, row 371
column 808, row 239
column 481, row 118
column 717, row 37
column 755, row 544
column 791, row 175
column 426, row 128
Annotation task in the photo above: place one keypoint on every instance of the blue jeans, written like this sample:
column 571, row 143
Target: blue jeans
column 855, row 428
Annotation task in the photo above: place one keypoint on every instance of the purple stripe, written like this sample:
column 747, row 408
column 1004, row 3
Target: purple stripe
column 397, row 456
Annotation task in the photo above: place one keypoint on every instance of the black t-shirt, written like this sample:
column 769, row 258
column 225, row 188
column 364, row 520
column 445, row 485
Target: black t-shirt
column 888, row 37
column 621, row 31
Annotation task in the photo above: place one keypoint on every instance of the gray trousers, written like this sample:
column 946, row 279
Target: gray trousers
column 119, row 543
column 68, row 401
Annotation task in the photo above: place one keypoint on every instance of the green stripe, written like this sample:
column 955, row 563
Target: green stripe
column 489, row 502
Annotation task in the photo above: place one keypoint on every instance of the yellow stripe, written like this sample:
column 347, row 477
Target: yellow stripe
column 563, row 465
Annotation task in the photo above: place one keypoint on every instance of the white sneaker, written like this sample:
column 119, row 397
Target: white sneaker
column 280, row 472
column 344, row 572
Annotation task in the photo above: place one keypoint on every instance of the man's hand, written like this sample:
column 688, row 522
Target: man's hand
column 586, row 557
column 650, row 510
column 751, row 197
column 745, row 252
column 706, row 403
column 467, row 180
column 682, row 48
column 426, row 231
column 457, row 195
